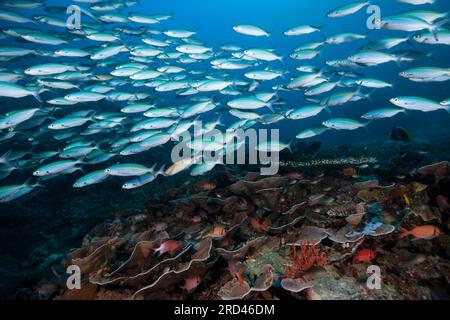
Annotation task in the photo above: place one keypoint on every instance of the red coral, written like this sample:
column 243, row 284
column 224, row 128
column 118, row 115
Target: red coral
column 310, row 256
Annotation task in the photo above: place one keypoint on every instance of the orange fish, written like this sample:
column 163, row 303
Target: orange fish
column 256, row 223
column 206, row 186
column 203, row 186
column 422, row 232
column 218, row 232
column 191, row 283
column 364, row 255
column 168, row 246
column 349, row 172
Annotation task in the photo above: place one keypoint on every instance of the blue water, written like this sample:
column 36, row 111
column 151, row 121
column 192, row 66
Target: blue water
column 213, row 20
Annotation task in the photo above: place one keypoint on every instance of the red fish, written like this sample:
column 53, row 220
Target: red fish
column 237, row 270
column 191, row 283
column 312, row 295
column 364, row 255
column 258, row 225
column 422, row 232
column 294, row 176
column 168, row 246
column 217, row 232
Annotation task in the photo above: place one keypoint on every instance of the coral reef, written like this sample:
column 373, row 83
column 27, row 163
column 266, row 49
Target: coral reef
column 290, row 236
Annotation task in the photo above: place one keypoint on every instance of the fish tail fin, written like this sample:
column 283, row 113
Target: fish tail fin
column 97, row 145
column 220, row 161
column 340, row 83
column 36, row 95
column 323, row 34
column 90, row 15
column 404, row 232
column 161, row 171
column 270, row 105
column 323, row 70
column 358, row 92
column 153, row 167
column 398, row 61
column 410, row 41
column 4, row 157
column 37, row 185
column 369, row 95
column 282, row 58
column 289, row 146
column 220, row 122
column 28, row 182
column 435, row 27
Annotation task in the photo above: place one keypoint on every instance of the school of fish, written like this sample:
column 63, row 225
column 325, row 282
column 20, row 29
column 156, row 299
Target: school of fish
column 131, row 62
